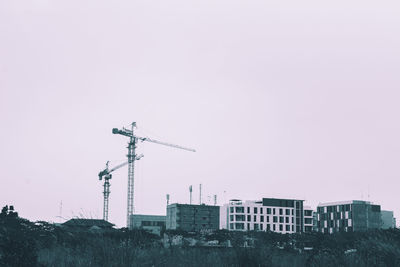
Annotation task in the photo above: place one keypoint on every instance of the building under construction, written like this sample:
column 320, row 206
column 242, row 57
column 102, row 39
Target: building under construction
column 192, row 217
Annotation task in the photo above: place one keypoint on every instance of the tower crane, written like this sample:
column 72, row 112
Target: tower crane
column 106, row 174
column 133, row 139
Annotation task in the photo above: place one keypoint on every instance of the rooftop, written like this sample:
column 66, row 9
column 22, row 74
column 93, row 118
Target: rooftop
column 343, row 203
column 88, row 223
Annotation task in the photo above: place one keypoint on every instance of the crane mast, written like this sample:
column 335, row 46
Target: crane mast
column 106, row 194
column 131, row 172
column 133, row 139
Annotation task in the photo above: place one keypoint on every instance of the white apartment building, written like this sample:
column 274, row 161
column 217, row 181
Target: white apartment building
column 308, row 219
column 269, row 214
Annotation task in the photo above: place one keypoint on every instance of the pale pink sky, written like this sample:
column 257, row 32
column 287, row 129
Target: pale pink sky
column 296, row 99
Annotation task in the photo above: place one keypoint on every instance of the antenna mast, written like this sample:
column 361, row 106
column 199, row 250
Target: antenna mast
column 200, row 196
column 190, row 191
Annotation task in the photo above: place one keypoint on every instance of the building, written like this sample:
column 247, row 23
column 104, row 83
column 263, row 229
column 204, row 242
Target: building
column 192, row 217
column 347, row 216
column 151, row 223
column 270, row 214
column 87, row 225
column 308, row 219
column 388, row 221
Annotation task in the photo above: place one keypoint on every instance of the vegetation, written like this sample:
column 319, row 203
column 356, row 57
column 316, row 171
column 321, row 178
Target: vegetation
column 25, row 243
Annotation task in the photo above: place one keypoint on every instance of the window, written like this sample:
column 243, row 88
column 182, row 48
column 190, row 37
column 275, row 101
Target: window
column 287, row 211
column 292, row 228
column 292, row 219
column 287, row 228
column 281, row 219
column 275, row 219
column 274, row 227
column 280, row 211
column 267, row 218
column 268, row 210
column 307, row 220
column 261, row 210
column 255, row 210
column 261, row 218
column 231, row 226
column 308, row 213
column 248, row 209
column 261, row 227
column 268, row 227
column 273, row 211
column 248, row 227
column 240, row 218
column 231, row 209
column 249, row 218
column 255, row 218
column 287, row 219
column 239, row 226
column 280, row 227
column 239, row 209
column 256, row 226
column 231, row 217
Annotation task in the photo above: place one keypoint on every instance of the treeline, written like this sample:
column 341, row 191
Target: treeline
column 25, row 243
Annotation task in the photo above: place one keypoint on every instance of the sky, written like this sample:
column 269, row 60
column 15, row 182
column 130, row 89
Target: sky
column 280, row 98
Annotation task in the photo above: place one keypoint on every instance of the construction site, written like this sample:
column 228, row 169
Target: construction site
column 132, row 157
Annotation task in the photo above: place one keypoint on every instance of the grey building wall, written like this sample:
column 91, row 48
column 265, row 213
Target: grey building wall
column 315, row 220
column 388, row 221
column 366, row 216
column 152, row 223
column 192, row 217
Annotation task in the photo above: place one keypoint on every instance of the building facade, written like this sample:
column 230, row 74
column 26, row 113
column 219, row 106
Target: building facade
column 388, row 220
column 270, row 214
column 308, row 219
column 192, row 217
column 347, row 216
column 151, row 223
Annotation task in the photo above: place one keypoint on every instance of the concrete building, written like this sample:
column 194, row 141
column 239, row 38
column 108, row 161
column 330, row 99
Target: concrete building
column 388, row 220
column 270, row 214
column 152, row 223
column 355, row 215
column 192, row 217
